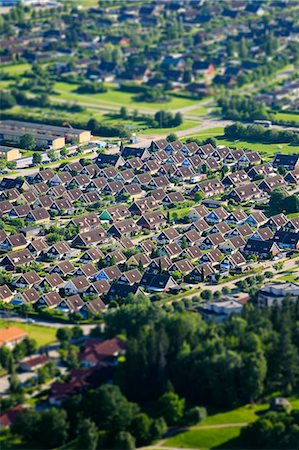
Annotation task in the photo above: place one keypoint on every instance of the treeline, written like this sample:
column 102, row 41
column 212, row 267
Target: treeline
column 280, row 202
column 174, row 361
column 261, row 134
column 238, row 107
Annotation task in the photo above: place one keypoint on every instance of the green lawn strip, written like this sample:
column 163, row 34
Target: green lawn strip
column 287, row 116
column 206, row 439
column 158, row 131
column 292, row 215
column 290, row 278
column 15, row 69
column 269, row 149
column 243, row 414
column 42, row 334
column 116, row 97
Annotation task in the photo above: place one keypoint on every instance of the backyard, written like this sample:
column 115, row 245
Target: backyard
column 42, row 334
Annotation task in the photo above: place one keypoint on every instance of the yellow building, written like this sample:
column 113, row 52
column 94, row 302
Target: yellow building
column 9, row 153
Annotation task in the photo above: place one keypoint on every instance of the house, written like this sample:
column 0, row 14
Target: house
column 232, row 245
column 92, row 308
column 159, row 182
column 245, row 192
column 92, row 255
column 249, row 158
column 93, row 237
column 277, row 221
column 132, row 190
column 212, row 257
column 157, row 283
column 126, row 176
column 19, row 212
column 262, row 249
column 57, row 251
column 85, row 223
column 32, row 363
column 289, row 162
column 209, row 187
column 8, row 417
column 52, row 281
column 98, row 287
column 173, row 250
column 147, row 246
column 232, row 263
column 152, row 220
column 63, row 268
column 220, row 310
column 191, row 237
column 139, row 207
column 110, row 273
column 212, row 240
column 5, row 207
column 174, row 146
column 241, row 230
column 133, row 163
column 236, row 217
column 76, row 285
column 236, row 178
column 198, row 212
column 62, row 206
column 121, row 291
column 143, row 179
column 159, row 264
column 103, row 160
column 232, row 158
column 123, row 228
column 275, row 293
column 161, row 144
column 61, row 179
column 292, row 177
column 130, row 277
column 271, row 183
column 173, row 198
column 10, row 336
column 139, row 259
column 38, row 216
column 286, row 239
column 15, row 259
column 97, row 353
column 263, row 234
column 87, row 270
column 13, row 242
column 217, row 215
column 109, row 173
column 260, row 171
column 183, row 266
column 37, row 246
column 71, row 305
column 256, row 219
column 5, row 294
column 203, row 272
column 205, row 151
column 167, row 236
column 25, row 297
column 135, row 152
column 292, row 224
column 27, row 280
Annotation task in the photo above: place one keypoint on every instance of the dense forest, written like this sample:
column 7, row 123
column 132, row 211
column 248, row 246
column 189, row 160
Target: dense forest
column 177, row 365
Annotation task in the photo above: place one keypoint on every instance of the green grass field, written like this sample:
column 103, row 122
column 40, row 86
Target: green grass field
column 287, row 116
column 42, row 334
column 115, row 97
column 206, row 439
column 15, row 69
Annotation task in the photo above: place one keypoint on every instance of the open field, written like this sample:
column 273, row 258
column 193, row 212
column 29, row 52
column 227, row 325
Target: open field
column 42, row 335
column 15, row 69
column 207, row 439
column 117, row 98
column 287, row 116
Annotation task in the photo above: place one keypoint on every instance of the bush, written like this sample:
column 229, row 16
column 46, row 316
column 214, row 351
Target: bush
column 195, row 415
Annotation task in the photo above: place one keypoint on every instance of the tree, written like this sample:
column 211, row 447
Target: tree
column 64, row 334
column 282, row 170
column 172, row 137
column 123, row 112
column 141, row 429
column 53, row 429
column 28, row 141
column 14, row 384
column 36, row 158
column 51, row 155
column 206, row 294
column 7, row 100
column 88, row 435
column 212, row 141
column 171, row 407
column 195, row 415
column 276, row 202
column 64, row 152
column 124, row 440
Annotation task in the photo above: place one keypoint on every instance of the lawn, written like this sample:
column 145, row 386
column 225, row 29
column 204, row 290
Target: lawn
column 206, row 439
column 269, row 149
column 243, row 414
column 117, row 98
column 289, row 278
column 42, row 334
column 15, row 69
column 287, row 116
